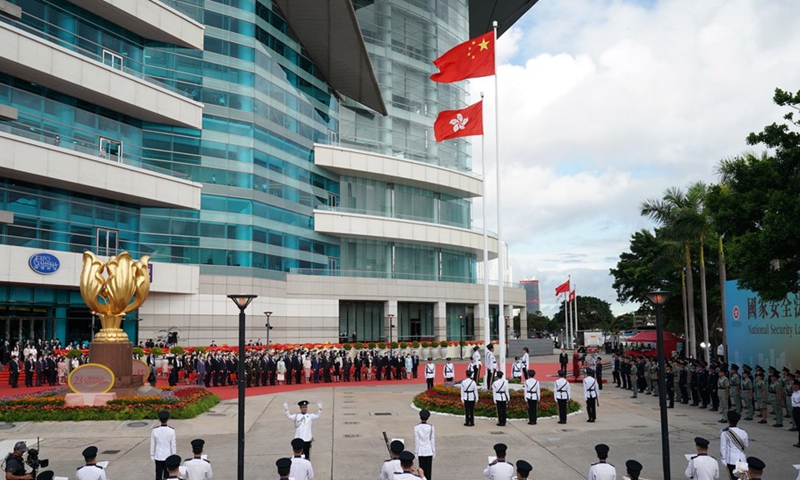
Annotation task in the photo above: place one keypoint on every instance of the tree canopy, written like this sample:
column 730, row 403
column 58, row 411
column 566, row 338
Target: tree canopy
column 593, row 314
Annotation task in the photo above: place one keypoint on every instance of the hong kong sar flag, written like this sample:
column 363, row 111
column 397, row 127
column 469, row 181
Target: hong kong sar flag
column 459, row 123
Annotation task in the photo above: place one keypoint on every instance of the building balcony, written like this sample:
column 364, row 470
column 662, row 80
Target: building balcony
column 38, row 60
column 151, row 19
column 357, row 163
column 66, row 166
column 356, row 225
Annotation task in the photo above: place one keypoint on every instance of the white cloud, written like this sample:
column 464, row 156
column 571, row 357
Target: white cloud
column 604, row 104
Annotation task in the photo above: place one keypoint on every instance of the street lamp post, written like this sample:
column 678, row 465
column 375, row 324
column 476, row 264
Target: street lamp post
column 658, row 298
column 391, row 326
column 241, row 301
column 269, row 327
column 461, row 338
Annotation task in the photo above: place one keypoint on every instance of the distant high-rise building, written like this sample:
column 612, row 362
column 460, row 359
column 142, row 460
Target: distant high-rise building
column 532, row 296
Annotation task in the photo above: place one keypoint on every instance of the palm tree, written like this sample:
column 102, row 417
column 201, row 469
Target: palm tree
column 665, row 211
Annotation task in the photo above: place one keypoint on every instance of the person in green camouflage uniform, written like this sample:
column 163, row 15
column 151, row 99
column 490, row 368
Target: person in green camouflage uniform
column 735, row 391
column 760, row 396
column 647, row 379
column 723, row 389
column 654, row 376
column 774, row 393
column 747, row 395
column 634, row 378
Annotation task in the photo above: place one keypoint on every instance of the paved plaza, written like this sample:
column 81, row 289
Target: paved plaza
column 349, row 443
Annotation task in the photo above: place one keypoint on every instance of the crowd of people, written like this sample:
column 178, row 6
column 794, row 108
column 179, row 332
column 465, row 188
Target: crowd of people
column 37, row 362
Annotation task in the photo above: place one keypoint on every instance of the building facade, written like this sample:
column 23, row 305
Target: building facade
column 242, row 155
column 532, row 295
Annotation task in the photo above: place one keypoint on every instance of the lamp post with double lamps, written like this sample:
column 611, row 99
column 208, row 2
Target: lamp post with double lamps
column 241, row 301
column 658, row 298
column 269, row 327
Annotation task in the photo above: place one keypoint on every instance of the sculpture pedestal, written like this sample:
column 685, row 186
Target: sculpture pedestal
column 117, row 356
column 96, row 399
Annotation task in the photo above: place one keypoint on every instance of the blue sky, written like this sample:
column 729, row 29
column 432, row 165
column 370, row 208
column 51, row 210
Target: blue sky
column 604, row 104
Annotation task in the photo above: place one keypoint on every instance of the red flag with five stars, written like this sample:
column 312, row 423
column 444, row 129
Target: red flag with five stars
column 459, row 123
column 563, row 288
column 471, row 59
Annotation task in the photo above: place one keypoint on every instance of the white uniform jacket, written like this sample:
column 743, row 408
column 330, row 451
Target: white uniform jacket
column 590, row 389
column 389, row 468
column 602, row 471
column 491, row 361
column 730, row 452
column 500, row 390
column 449, row 370
column 424, row 440
column 91, row 472
column 469, row 390
column 302, row 423
column 500, row 470
column 532, row 389
column 702, row 467
column 301, row 469
column 430, row 370
column 162, row 443
column 198, row 469
column 562, row 390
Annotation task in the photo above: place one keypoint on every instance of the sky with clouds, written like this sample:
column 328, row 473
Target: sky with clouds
column 606, row 103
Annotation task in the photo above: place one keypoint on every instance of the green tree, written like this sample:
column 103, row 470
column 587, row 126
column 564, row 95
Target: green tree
column 537, row 322
column 757, row 208
column 648, row 264
column 593, row 314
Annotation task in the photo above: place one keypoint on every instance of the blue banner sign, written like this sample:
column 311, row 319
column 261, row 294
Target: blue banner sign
column 44, row 263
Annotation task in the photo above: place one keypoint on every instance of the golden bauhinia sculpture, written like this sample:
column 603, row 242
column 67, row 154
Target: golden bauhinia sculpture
column 122, row 289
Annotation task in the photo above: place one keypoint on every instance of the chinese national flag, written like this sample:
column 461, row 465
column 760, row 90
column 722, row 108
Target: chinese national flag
column 471, row 59
column 563, row 288
column 459, row 123
column 572, row 296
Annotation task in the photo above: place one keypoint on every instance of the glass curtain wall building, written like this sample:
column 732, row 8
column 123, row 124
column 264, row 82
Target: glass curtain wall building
column 236, row 155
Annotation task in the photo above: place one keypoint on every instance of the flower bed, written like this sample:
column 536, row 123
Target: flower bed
column 182, row 402
column 447, row 399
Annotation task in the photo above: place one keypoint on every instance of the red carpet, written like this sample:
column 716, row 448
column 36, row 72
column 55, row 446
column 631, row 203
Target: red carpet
column 546, row 372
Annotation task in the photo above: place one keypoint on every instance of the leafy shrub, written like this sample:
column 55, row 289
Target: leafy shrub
column 403, row 345
column 137, row 351
column 200, row 350
column 424, row 344
column 347, row 346
column 359, row 345
column 156, row 351
column 443, row 344
column 74, row 353
column 371, row 345
column 177, row 350
column 394, row 345
column 382, row 345
column 415, row 344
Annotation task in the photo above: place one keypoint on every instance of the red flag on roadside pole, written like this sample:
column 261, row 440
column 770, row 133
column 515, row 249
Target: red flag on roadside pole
column 471, row 59
column 459, row 123
column 572, row 296
column 563, row 288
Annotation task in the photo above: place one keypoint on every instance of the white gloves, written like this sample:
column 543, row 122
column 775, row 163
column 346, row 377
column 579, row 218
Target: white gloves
column 285, row 406
column 319, row 404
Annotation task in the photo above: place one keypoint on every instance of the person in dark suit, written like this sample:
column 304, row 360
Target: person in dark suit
column 13, row 371
column 30, row 367
column 563, row 359
column 414, row 363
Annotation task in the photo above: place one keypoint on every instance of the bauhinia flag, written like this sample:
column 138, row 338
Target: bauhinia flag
column 459, row 123
column 571, row 296
column 563, row 288
column 471, row 59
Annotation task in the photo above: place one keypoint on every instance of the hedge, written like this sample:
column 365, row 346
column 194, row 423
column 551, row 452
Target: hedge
column 444, row 398
column 182, row 402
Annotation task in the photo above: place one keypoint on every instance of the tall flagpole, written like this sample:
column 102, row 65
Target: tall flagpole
column 486, row 317
column 566, row 323
column 501, row 267
column 575, row 311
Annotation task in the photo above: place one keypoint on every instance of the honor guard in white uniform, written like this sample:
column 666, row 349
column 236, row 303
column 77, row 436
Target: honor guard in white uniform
column 602, row 470
column 491, row 366
column 563, row 393
column 430, row 372
column 197, row 467
column 409, row 472
column 532, row 394
column 162, row 444
column 525, row 361
column 633, row 469
column 516, row 369
column 302, row 423
column 476, row 362
column 524, row 469
column 469, row 395
column 501, row 397
column 301, row 468
column 424, row 443
column 702, row 466
column 90, row 471
column 392, row 466
column 449, row 371
column 499, row 469
column 733, row 441
column 591, row 394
